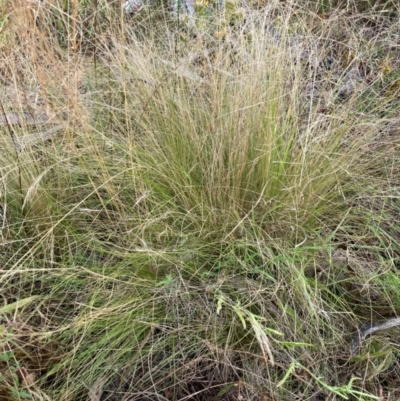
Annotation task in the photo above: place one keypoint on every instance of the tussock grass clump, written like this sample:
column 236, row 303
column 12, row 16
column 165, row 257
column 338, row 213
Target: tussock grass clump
column 213, row 219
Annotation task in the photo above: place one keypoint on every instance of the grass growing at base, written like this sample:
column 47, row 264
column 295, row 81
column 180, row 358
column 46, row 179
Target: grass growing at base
column 199, row 229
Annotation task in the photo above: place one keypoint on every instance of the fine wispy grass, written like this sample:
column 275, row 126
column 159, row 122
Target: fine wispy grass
column 214, row 216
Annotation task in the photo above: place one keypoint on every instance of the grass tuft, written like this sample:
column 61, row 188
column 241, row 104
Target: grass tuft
column 187, row 213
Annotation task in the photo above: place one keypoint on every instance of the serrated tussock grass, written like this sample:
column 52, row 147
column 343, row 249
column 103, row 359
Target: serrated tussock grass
column 199, row 229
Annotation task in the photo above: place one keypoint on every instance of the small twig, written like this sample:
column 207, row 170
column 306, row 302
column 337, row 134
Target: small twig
column 370, row 328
